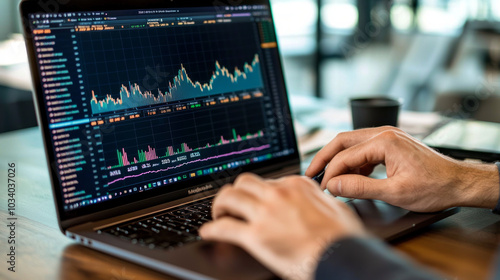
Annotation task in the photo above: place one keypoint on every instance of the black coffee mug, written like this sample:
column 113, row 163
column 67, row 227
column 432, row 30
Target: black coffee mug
column 374, row 111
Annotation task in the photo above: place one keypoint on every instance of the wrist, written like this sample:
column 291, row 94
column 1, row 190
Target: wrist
column 480, row 185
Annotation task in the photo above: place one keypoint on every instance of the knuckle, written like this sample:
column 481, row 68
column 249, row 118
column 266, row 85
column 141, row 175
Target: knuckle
column 224, row 191
column 224, row 195
column 294, row 180
column 244, row 179
column 389, row 136
column 278, row 193
column 285, row 181
column 391, row 128
column 296, row 183
column 342, row 135
column 388, row 127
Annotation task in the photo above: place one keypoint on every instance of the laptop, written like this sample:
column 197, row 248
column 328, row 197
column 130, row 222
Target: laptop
column 458, row 138
column 147, row 108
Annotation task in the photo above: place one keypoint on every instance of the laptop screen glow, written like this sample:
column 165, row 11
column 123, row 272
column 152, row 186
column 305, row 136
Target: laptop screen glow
column 145, row 100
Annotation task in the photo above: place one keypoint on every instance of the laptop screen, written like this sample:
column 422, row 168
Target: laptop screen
column 152, row 101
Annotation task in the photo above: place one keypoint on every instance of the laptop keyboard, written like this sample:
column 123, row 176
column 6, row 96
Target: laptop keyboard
column 170, row 229
column 166, row 230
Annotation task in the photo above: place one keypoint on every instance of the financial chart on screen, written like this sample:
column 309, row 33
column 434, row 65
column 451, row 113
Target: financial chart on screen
column 140, row 100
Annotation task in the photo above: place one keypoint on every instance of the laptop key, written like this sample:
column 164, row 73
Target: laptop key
column 113, row 232
column 142, row 224
column 158, row 219
column 131, row 228
column 180, row 212
column 166, row 231
column 147, row 241
column 133, row 236
column 155, row 230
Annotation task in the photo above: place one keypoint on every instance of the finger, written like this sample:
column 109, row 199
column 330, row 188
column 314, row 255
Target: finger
column 371, row 152
column 358, row 186
column 296, row 179
column 234, row 202
column 339, row 143
column 250, row 183
column 226, row 229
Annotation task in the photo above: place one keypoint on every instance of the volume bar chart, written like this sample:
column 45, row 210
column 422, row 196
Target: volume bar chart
column 222, row 80
column 151, row 154
column 244, row 151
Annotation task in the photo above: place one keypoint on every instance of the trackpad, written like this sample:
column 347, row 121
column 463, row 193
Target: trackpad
column 221, row 261
column 390, row 222
column 377, row 213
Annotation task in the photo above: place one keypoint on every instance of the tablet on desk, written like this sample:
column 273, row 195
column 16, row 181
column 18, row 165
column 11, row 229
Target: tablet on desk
column 467, row 139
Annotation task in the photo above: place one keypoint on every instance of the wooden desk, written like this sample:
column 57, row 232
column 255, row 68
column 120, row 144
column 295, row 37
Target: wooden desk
column 461, row 246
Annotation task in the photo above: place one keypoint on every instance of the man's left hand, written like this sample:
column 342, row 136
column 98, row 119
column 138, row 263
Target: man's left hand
column 286, row 224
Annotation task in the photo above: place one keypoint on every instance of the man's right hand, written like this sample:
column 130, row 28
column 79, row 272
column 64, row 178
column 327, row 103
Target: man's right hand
column 418, row 178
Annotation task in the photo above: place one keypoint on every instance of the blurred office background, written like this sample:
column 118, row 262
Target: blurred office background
column 437, row 55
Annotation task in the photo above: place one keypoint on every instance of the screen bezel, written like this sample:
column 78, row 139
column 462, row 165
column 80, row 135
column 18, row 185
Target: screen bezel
column 153, row 197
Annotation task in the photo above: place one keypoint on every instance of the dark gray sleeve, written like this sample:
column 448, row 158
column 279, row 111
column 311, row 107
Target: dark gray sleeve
column 497, row 208
column 363, row 258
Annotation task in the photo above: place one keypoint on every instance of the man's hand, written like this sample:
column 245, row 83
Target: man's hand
column 286, row 224
column 418, row 178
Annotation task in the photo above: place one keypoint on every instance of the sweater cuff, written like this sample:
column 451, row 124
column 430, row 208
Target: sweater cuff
column 366, row 258
column 497, row 208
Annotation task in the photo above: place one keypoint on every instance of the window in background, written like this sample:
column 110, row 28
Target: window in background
column 16, row 103
column 339, row 16
column 495, row 8
column 12, row 50
column 402, row 16
column 442, row 16
column 296, row 27
column 295, row 24
column 9, row 18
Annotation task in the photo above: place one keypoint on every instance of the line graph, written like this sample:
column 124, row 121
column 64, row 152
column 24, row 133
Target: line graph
column 162, row 141
column 183, row 87
column 255, row 149
column 134, row 68
column 151, row 154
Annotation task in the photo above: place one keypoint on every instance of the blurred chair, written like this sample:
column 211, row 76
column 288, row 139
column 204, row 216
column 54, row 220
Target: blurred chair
column 469, row 105
column 481, row 99
column 427, row 55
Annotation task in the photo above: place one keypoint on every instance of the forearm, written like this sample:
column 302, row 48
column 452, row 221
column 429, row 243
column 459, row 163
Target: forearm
column 360, row 258
column 480, row 185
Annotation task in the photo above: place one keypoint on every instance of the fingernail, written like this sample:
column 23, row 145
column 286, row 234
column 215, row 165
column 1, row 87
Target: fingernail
column 339, row 187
